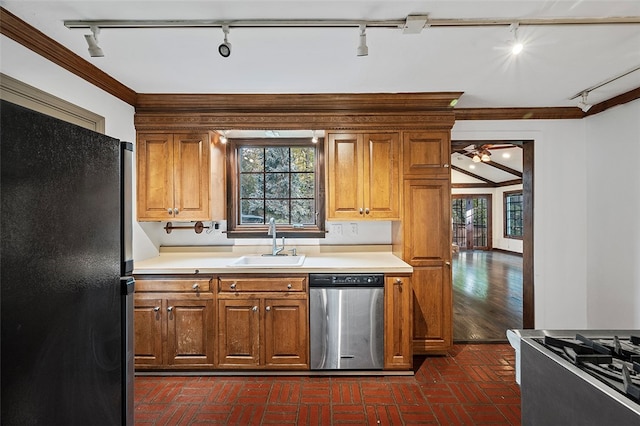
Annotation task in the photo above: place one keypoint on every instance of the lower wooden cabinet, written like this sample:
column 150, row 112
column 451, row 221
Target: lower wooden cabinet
column 173, row 330
column 398, row 323
column 263, row 323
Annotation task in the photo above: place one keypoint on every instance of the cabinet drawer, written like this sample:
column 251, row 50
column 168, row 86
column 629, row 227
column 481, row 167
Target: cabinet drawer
column 174, row 284
column 254, row 284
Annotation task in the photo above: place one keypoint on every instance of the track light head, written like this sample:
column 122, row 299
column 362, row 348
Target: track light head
column 583, row 105
column 363, row 50
column 225, row 48
column 92, row 40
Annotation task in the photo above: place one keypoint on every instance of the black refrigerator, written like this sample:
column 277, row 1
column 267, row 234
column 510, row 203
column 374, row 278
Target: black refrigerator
column 66, row 263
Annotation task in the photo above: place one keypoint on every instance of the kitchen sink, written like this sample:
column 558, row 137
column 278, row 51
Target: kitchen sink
column 260, row 261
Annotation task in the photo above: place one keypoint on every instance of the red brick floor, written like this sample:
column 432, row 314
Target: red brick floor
column 474, row 384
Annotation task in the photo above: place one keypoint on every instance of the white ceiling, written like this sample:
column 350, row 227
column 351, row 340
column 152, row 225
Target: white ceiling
column 558, row 61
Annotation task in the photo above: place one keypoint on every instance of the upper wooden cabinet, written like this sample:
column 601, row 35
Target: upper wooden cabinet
column 174, row 176
column 426, row 154
column 363, row 175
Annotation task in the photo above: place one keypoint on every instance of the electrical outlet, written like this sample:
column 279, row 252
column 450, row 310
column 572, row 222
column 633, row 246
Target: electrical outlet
column 353, row 228
column 336, row 228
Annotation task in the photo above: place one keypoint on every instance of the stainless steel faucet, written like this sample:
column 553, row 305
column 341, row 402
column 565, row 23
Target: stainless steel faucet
column 275, row 250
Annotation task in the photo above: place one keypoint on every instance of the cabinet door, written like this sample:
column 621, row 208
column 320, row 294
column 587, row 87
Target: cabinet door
column 426, row 153
column 381, row 176
column 286, row 339
column 345, row 176
column 432, row 309
column 398, row 349
column 154, row 154
column 192, row 176
column 147, row 325
column 427, row 222
column 238, row 332
column 189, row 331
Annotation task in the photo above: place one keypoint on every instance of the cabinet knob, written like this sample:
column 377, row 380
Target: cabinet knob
column 289, row 286
column 361, row 210
column 170, row 211
column 366, row 210
column 447, row 263
column 254, row 309
column 156, row 309
column 170, row 309
column 233, row 286
column 195, row 286
column 398, row 281
column 445, row 165
column 176, row 211
column 268, row 308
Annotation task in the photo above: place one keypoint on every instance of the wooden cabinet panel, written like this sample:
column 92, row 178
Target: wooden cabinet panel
column 192, row 176
column 427, row 221
column 173, row 176
column 426, row 153
column 189, row 332
column 269, row 284
column 398, row 343
column 363, row 175
column 286, row 332
column 432, row 309
column 238, row 332
column 345, row 169
column 426, row 245
column 154, row 153
column 147, row 325
column 263, row 322
column 173, row 328
column 381, row 175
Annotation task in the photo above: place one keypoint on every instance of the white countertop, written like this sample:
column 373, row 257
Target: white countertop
column 216, row 260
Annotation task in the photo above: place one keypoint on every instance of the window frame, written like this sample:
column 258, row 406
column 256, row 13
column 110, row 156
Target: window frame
column 505, row 197
column 237, row 230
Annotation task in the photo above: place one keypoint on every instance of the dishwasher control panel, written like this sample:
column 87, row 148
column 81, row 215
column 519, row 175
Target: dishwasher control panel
column 346, row 280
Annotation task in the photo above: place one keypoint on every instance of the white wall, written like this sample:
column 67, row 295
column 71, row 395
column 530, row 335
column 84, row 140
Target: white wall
column 30, row 68
column 559, row 237
column 497, row 212
column 613, row 218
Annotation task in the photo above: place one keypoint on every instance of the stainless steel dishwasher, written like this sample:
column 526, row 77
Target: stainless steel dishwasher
column 346, row 321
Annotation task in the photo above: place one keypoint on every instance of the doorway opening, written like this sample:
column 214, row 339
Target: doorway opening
column 492, row 270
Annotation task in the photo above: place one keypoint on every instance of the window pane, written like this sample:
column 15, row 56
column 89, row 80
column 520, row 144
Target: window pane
column 251, row 212
column 303, row 159
column 251, row 159
column 277, row 209
column 303, row 211
column 302, row 185
column 276, row 159
column 251, row 185
column 277, row 185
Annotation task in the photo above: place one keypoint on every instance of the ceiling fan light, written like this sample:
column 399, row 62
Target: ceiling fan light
column 476, row 158
column 485, row 157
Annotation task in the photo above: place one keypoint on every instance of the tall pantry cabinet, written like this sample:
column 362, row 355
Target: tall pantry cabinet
column 423, row 236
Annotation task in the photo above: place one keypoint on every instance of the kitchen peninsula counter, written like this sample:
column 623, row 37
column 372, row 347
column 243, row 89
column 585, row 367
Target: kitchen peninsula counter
column 319, row 259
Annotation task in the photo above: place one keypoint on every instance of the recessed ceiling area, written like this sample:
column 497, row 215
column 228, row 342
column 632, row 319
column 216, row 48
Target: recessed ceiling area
column 557, row 62
column 502, row 167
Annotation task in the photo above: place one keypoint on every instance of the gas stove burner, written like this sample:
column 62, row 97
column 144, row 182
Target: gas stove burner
column 613, row 361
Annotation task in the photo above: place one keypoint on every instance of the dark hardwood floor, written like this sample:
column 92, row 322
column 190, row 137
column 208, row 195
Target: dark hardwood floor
column 487, row 295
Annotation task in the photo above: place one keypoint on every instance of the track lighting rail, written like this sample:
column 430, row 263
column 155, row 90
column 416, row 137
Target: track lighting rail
column 344, row 23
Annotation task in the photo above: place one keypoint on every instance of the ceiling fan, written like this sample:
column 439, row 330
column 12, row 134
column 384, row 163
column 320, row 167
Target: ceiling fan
column 482, row 153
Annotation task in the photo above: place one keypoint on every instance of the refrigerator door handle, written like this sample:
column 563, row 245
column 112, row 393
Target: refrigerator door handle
column 127, row 285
